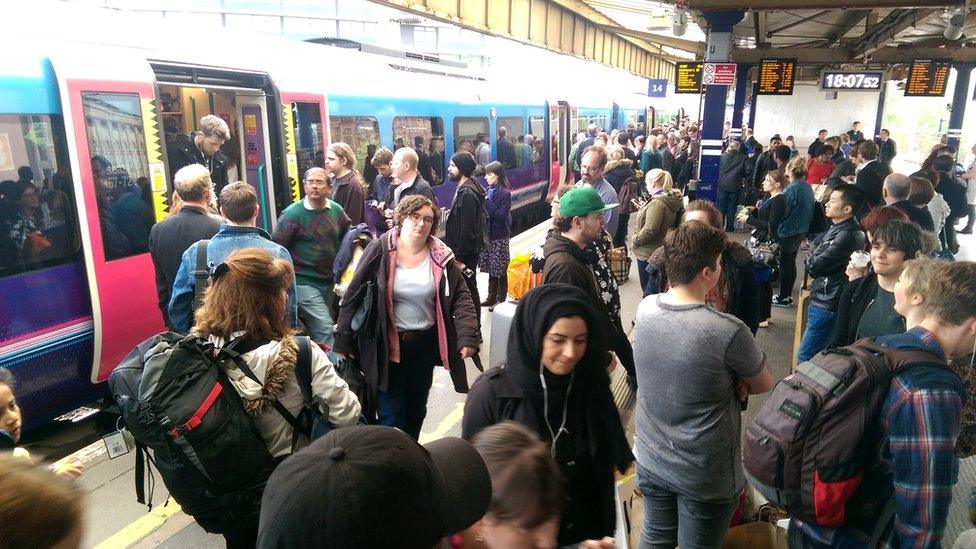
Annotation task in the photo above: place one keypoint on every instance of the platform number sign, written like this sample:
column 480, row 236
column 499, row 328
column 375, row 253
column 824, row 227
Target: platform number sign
column 657, row 87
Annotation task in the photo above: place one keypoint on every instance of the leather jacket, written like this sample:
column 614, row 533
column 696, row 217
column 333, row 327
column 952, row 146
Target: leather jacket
column 827, row 264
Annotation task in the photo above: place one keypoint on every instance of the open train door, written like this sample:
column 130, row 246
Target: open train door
column 111, row 123
column 306, row 131
column 559, row 119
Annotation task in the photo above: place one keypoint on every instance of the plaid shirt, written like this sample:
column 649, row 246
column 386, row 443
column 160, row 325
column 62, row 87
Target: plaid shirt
column 920, row 421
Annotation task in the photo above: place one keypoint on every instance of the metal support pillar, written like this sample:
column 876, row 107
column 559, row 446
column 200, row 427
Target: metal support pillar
column 718, row 50
column 741, row 82
column 960, row 97
column 752, row 105
column 879, row 120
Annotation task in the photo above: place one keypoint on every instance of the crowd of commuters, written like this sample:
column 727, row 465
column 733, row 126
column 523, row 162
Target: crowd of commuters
column 542, row 437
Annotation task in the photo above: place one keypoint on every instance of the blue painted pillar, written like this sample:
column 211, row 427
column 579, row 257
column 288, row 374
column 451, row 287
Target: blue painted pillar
column 960, row 97
column 752, row 105
column 741, row 84
column 718, row 49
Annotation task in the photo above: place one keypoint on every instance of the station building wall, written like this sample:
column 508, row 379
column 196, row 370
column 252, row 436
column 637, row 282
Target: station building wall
column 808, row 110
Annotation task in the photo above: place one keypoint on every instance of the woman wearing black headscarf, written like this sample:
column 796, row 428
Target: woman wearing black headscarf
column 553, row 382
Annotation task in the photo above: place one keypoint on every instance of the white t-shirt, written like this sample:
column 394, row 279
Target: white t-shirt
column 413, row 297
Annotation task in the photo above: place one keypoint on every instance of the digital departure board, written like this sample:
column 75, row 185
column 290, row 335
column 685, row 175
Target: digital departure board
column 927, row 78
column 688, row 77
column 776, row 76
column 851, row 80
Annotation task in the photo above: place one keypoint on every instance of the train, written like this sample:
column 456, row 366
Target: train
column 86, row 112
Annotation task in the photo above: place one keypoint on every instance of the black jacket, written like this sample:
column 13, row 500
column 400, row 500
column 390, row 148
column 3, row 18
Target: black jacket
column 853, row 302
column 618, row 173
column 841, row 170
column 466, row 227
column 168, row 239
column 183, row 151
column 871, row 180
column 420, row 186
column 740, row 282
column 828, row 262
column 954, row 194
column 732, row 169
column 566, row 262
column 764, row 163
column 886, row 150
column 766, row 219
column 919, row 216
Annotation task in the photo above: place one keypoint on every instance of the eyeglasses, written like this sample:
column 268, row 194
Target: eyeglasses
column 421, row 220
column 316, row 183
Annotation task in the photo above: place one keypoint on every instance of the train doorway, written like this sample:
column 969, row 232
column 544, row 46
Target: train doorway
column 245, row 101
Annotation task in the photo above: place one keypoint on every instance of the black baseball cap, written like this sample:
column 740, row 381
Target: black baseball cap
column 373, row 486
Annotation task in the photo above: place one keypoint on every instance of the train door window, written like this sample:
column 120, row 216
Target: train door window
column 537, row 131
column 38, row 225
column 120, row 170
column 426, row 135
column 362, row 133
column 515, row 153
column 601, row 122
column 309, row 137
column 471, row 134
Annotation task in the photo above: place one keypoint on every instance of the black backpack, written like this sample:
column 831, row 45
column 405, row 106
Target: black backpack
column 176, row 401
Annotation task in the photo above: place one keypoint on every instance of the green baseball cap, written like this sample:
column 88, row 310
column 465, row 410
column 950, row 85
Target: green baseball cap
column 582, row 201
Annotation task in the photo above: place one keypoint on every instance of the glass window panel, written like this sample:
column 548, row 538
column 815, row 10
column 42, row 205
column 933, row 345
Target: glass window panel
column 512, row 154
column 309, row 137
column 121, row 172
column 362, row 133
column 471, row 134
column 426, row 135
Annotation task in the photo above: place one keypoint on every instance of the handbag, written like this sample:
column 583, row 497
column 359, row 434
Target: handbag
column 619, row 263
column 628, row 193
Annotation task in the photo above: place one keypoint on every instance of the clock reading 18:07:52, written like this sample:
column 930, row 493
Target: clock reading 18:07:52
column 845, row 80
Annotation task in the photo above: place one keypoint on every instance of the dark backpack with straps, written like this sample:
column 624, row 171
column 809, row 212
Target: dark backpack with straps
column 817, row 434
column 177, row 402
column 201, row 275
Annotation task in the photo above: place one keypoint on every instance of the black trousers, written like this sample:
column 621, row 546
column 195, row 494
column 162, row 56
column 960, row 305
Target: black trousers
column 789, row 247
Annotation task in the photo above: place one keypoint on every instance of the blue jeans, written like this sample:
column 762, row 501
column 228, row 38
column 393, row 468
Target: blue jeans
column 642, row 273
column 313, row 310
column 672, row 519
column 728, row 203
column 404, row 403
column 818, row 333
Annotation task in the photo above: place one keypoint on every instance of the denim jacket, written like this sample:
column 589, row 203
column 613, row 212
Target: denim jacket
column 227, row 239
column 800, row 205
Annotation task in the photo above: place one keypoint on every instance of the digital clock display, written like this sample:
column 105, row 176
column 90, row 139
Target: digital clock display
column 856, row 81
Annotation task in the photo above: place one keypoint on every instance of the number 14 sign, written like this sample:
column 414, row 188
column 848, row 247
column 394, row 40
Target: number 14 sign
column 657, row 87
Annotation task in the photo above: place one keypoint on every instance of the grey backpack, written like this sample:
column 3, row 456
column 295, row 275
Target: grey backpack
column 817, row 434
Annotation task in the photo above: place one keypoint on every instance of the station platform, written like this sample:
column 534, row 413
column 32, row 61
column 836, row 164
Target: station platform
column 115, row 520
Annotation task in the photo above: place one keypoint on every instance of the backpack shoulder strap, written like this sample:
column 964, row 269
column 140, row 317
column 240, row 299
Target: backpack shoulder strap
column 278, row 406
column 900, row 359
column 201, row 275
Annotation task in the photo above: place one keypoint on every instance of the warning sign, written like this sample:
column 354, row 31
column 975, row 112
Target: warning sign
column 718, row 74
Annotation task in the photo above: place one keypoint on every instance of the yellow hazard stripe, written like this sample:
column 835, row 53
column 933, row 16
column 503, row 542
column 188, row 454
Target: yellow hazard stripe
column 445, row 425
column 141, row 527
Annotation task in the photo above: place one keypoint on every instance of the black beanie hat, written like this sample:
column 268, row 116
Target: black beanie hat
column 464, row 162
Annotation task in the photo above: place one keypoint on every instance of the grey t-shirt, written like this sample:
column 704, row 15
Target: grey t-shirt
column 688, row 420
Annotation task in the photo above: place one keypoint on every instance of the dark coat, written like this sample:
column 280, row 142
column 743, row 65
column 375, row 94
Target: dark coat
column 506, row 153
column 841, row 170
column 764, row 163
column 499, row 209
column 871, row 180
column 854, row 300
column 740, row 281
column 828, row 262
column 732, row 170
column 465, row 229
column 954, row 194
column 168, row 239
column 766, row 219
column 593, row 442
column 919, row 216
column 566, row 262
column 349, row 194
column 182, row 152
column 886, row 150
column 420, row 186
column 372, row 350
column 618, row 173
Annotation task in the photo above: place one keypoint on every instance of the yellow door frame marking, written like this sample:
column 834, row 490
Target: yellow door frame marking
column 445, row 425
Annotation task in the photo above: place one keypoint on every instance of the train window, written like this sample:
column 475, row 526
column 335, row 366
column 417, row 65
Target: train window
column 121, row 172
column 362, row 133
column 537, row 129
column 38, row 225
column 471, row 134
column 511, row 152
column 309, row 138
column 426, row 135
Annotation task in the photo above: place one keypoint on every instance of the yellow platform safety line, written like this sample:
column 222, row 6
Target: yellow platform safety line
column 141, row 527
column 446, row 424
